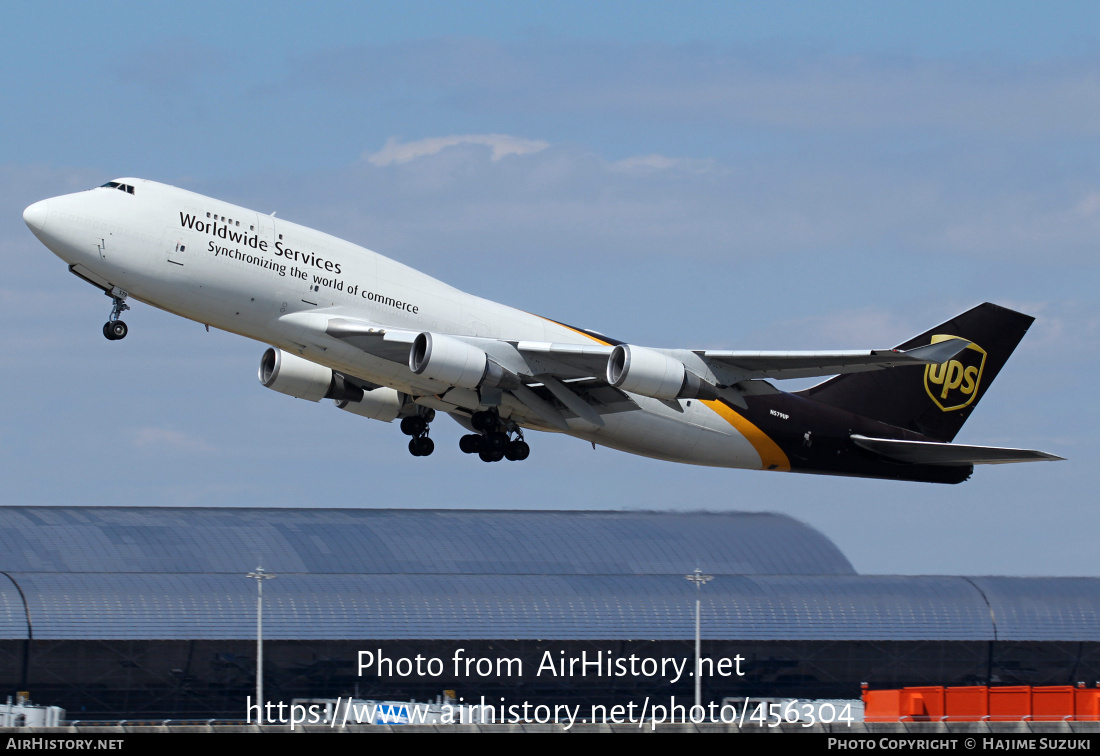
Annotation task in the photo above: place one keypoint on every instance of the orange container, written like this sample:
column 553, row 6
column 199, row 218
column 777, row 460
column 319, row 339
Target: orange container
column 923, row 703
column 1052, row 703
column 1087, row 704
column 972, row 703
column 968, row 703
column 881, row 705
column 1009, row 703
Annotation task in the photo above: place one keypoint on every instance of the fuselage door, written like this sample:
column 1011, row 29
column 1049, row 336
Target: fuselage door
column 284, row 294
column 299, row 292
column 175, row 248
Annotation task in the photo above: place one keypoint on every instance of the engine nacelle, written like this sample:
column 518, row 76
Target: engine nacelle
column 382, row 403
column 290, row 374
column 651, row 373
column 456, row 363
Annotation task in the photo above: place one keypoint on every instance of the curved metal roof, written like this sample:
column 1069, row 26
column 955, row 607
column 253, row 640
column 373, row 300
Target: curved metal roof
column 1026, row 608
column 566, row 607
column 409, row 541
column 14, row 621
column 108, row 573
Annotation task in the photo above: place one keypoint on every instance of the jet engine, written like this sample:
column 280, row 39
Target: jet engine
column 651, row 373
column 294, row 376
column 382, row 403
column 456, row 363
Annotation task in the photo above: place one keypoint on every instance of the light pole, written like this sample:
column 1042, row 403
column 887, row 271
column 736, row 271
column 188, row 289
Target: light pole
column 260, row 576
column 699, row 579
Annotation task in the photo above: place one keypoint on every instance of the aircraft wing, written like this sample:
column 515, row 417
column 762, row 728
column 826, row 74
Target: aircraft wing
column 563, row 375
column 387, row 343
column 541, row 368
column 525, row 358
column 591, row 359
column 565, row 361
column 932, row 453
column 779, row 365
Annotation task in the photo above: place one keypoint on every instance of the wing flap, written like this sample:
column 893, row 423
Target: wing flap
column 543, row 409
column 934, row 453
column 573, row 402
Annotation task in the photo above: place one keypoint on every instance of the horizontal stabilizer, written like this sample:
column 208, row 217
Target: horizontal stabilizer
column 931, row 453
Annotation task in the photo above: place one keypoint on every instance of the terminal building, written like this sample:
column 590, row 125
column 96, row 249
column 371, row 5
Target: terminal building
column 148, row 612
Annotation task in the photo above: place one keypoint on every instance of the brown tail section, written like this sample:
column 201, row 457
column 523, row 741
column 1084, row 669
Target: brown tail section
column 933, row 400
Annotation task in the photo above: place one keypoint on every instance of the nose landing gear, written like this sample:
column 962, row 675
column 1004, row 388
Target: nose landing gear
column 417, row 427
column 494, row 442
column 114, row 329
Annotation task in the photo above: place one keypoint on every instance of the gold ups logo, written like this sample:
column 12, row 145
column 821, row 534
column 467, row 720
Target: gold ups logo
column 954, row 384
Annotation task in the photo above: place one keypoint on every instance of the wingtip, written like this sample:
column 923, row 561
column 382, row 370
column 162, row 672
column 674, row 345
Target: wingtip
column 939, row 352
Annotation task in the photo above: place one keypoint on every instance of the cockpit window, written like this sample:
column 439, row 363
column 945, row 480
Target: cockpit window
column 116, row 185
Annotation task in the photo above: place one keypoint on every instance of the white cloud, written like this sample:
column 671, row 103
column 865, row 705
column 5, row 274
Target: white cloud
column 1090, row 205
column 655, row 162
column 945, row 201
column 502, row 145
column 169, row 439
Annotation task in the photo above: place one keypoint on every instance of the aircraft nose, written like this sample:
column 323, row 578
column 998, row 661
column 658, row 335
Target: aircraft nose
column 35, row 215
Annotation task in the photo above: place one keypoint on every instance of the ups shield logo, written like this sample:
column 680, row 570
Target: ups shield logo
column 954, row 384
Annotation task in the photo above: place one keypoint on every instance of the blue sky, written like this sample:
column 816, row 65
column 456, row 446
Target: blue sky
column 801, row 175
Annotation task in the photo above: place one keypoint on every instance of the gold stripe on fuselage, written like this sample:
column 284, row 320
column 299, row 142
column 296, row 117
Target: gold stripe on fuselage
column 771, row 456
column 575, row 330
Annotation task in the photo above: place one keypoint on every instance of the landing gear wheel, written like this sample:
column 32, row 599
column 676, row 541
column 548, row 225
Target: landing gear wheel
column 470, row 443
column 421, row 447
column 495, row 442
column 115, row 330
column 484, row 421
column 517, row 451
column 413, row 425
column 491, row 456
column 417, row 427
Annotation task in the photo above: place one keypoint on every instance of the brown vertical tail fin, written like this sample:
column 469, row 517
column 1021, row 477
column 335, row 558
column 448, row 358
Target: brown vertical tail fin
column 933, row 400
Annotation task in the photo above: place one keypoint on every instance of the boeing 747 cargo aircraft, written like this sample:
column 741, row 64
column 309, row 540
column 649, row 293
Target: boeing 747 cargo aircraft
column 389, row 343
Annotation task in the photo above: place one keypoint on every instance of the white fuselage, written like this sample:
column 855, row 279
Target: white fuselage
column 268, row 279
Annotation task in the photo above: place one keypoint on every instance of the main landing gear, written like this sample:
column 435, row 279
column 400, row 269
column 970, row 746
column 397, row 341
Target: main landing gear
column 493, row 443
column 114, row 329
column 417, row 427
column 496, row 439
